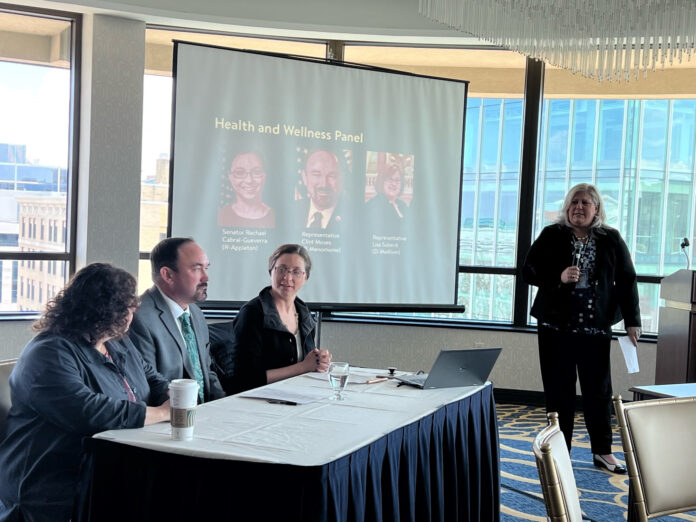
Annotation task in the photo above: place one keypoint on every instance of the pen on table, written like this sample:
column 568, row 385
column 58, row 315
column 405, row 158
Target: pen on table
column 376, row 379
column 280, row 401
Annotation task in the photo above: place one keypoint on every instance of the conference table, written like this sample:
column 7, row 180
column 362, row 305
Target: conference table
column 663, row 391
column 387, row 452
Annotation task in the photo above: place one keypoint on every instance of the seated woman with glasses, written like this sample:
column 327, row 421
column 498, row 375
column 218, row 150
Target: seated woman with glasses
column 272, row 337
column 244, row 183
column 77, row 377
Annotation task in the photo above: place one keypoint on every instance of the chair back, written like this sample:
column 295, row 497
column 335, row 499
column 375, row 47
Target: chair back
column 222, row 352
column 556, row 474
column 5, row 403
column 659, row 442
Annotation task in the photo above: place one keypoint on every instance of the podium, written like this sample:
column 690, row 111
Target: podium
column 676, row 340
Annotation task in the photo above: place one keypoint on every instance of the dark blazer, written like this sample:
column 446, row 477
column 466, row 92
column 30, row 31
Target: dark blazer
column 257, row 340
column 381, row 215
column 335, row 222
column 63, row 391
column 155, row 334
column 617, row 284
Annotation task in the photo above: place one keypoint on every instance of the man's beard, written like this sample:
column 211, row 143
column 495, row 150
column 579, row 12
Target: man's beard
column 324, row 199
column 201, row 293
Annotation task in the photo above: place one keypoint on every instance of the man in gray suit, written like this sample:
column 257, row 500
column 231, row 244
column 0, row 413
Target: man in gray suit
column 168, row 328
column 323, row 178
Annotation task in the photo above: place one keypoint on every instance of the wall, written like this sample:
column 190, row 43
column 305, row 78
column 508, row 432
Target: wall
column 14, row 334
column 415, row 348
column 113, row 61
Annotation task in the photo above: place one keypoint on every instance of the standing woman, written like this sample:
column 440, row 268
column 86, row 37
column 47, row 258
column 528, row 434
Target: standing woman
column 586, row 284
column 272, row 337
column 74, row 379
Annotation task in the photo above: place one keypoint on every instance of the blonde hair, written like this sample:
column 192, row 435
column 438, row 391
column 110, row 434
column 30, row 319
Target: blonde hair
column 599, row 218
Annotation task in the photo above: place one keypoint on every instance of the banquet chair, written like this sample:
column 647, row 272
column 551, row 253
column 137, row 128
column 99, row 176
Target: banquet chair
column 5, row 370
column 658, row 439
column 222, row 349
column 556, row 474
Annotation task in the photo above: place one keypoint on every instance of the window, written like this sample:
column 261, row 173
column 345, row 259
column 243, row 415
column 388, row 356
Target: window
column 37, row 72
column 638, row 149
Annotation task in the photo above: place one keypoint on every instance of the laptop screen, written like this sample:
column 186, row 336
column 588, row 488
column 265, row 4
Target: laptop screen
column 460, row 367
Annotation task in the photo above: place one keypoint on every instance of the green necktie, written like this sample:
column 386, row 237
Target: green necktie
column 192, row 345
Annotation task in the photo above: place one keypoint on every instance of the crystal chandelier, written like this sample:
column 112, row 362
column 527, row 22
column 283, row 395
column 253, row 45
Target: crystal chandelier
column 601, row 39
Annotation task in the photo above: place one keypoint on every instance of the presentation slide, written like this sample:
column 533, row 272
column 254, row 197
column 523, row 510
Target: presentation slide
column 361, row 166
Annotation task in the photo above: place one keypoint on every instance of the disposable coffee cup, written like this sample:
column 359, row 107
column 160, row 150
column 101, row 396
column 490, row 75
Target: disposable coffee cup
column 183, row 397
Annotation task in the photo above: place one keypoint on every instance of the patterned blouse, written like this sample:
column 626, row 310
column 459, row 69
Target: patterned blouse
column 582, row 299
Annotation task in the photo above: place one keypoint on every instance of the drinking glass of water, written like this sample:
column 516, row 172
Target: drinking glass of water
column 338, row 377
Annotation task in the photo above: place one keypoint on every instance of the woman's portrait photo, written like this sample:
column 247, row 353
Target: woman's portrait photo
column 241, row 193
column 388, row 189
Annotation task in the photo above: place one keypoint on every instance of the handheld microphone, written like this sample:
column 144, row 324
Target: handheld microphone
column 579, row 246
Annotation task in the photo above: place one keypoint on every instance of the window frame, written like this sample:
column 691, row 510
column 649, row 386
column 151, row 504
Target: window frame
column 69, row 256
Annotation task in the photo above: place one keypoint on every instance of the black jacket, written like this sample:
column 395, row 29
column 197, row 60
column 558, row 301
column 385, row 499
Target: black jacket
column 257, row 341
column 617, row 287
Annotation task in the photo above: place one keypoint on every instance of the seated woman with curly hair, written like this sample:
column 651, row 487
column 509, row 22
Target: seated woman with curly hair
column 77, row 377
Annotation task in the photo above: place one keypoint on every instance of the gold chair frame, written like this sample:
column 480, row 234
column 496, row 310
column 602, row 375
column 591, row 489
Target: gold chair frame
column 556, row 474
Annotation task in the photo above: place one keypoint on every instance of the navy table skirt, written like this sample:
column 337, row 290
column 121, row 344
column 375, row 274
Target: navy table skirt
column 444, row 467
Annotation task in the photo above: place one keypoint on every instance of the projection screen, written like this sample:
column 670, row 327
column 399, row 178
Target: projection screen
column 362, row 166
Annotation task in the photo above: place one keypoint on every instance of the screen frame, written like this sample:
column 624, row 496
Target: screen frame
column 222, row 306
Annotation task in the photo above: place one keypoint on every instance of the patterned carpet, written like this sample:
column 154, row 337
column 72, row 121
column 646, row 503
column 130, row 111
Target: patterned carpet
column 603, row 495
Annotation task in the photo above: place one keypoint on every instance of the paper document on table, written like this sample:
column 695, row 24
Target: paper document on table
column 279, row 394
column 630, row 354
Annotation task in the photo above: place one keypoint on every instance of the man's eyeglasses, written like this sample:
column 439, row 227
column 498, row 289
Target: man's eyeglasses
column 294, row 272
column 240, row 174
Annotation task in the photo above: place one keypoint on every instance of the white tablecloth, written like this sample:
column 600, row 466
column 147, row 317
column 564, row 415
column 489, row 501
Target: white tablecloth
column 313, row 434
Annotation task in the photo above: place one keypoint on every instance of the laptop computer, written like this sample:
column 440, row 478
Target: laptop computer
column 456, row 368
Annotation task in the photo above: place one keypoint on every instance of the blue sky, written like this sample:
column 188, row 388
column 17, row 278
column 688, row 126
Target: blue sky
column 34, row 111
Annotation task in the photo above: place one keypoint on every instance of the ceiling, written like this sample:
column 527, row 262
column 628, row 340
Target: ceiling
column 364, row 20
column 31, row 25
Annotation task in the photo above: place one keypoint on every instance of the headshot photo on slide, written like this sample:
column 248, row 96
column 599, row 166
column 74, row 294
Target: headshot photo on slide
column 321, row 195
column 241, row 193
column 388, row 190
